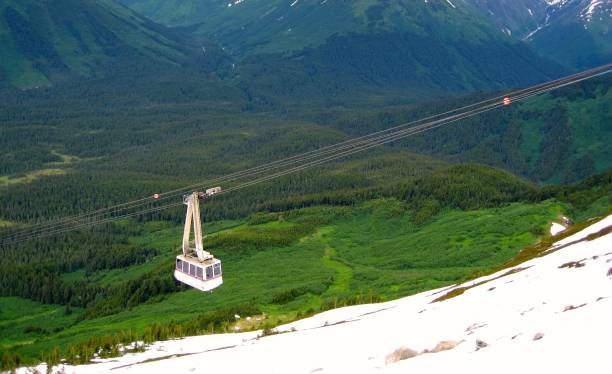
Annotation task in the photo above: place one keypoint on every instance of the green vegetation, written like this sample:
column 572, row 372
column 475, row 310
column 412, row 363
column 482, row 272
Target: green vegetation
column 285, row 264
column 5, row 181
column 590, row 45
column 47, row 43
column 5, row 224
column 560, row 137
column 137, row 109
column 267, row 51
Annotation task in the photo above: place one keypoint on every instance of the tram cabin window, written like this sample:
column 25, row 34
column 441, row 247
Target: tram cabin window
column 192, row 270
column 217, row 269
column 179, row 265
column 209, row 272
column 200, row 273
column 185, row 267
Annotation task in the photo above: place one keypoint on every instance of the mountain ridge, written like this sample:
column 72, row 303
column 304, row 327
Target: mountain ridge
column 44, row 42
column 574, row 33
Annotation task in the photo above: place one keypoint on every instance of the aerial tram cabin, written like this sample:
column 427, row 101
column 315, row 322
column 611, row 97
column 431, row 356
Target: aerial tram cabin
column 196, row 267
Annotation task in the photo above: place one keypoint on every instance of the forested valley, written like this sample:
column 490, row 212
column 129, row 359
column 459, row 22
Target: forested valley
column 106, row 106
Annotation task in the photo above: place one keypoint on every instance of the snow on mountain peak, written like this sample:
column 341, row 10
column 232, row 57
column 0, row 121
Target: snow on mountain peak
column 557, row 2
column 589, row 10
column 588, row 7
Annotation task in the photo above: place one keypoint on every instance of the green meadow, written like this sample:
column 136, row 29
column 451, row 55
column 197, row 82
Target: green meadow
column 293, row 264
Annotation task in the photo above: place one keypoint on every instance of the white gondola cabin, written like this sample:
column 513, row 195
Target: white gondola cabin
column 196, row 267
column 203, row 276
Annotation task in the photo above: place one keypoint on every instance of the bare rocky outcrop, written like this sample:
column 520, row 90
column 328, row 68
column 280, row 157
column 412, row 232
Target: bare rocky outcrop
column 481, row 344
column 445, row 345
column 572, row 307
column 402, row 353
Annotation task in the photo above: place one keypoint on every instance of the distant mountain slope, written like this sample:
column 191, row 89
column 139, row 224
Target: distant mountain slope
column 556, row 138
column 270, row 26
column 328, row 48
column 562, row 136
column 43, row 41
column 576, row 33
column 579, row 35
column 514, row 17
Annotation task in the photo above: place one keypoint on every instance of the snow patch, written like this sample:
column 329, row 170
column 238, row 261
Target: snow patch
column 557, row 228
column 595, row 228
column 588, row 12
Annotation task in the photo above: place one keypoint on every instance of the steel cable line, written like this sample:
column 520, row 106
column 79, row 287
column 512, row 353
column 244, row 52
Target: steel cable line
column 283, row 162
column 350, row 148
column 390, row 138
column 378, row 141
column 412, row 130
column 365, row 144
column 232, row 176
column 88, row 224
column 298, row 158
column 356, row 148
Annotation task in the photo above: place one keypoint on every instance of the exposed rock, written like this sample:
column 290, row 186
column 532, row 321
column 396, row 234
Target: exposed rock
column 571, row 307
column 573, row 264
column 402, row 353
column 610, row 272
column 538, row 336
column 445, row 345
column 474, row 326
column 527, row 311
column 481, row 344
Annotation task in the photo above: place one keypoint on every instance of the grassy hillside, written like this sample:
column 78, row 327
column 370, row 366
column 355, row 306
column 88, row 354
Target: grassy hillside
column 46, row 42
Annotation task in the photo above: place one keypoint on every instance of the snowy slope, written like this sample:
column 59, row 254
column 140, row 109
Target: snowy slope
column 550, row 315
